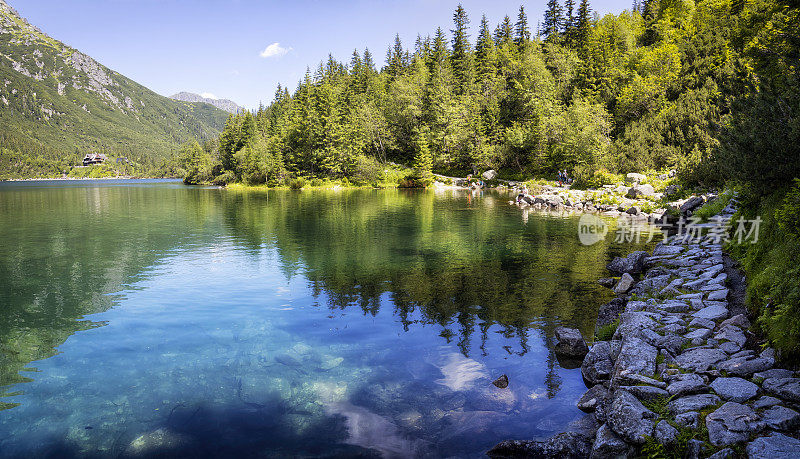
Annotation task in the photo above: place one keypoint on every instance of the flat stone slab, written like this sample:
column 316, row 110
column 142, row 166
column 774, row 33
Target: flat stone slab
column 699, row 333
column 700, row 359
column 692, row 403
column 713, row 312
column 645, row 392
column 686, row 384
column 732, row 423
column 703, row 323
column 718, row 295
column 734, row 389
column 744, row 366
column 774, row 373
column 781, row 418
column 775, row 446
column 785, row 388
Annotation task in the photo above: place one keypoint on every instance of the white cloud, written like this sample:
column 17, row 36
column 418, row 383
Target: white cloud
column 208, row 95
column 274, row 50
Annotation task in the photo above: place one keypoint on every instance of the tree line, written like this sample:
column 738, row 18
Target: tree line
column 704, row 86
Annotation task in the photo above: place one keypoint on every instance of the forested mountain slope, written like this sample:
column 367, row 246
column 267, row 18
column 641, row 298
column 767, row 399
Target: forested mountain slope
column 57, row 104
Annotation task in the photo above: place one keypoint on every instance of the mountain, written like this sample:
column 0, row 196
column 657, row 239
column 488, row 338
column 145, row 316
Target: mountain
column 224, row 104
column 56, row 101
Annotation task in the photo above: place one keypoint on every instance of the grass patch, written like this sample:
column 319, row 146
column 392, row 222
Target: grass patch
column 714, row 207
column 606, row 332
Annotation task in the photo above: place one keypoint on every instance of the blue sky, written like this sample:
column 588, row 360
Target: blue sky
column 222, row 47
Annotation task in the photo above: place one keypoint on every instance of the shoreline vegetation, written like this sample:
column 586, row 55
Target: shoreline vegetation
column 673, row 370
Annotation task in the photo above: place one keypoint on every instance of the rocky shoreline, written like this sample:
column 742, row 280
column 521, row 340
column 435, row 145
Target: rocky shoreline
column 678, row 373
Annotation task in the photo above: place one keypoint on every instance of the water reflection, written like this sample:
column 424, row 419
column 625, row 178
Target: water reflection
column 350, row 323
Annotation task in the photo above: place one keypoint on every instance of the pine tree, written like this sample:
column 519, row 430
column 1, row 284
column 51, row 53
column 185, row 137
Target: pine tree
column 460, row 58
column 582, row 27
column 522, row 31
column 423, row 160
column 484, row 51
column 395, row 58
column 553, row 18
column 569, row 20
column 650, row 15
column 503, row 32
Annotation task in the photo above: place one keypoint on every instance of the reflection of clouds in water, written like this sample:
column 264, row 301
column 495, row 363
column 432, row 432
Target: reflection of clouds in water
column 365, row 428
column 536, row 395
column 460, row 373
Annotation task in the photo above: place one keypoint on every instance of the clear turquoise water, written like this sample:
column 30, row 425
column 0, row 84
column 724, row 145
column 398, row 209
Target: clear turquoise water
column 283, row 323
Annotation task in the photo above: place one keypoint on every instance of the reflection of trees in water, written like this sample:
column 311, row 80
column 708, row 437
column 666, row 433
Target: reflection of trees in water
column 66, row 248
column 467, row 272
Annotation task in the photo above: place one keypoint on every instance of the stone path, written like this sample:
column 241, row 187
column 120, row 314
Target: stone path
column 680, row 373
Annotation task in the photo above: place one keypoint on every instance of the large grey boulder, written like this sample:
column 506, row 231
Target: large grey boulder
column 692, row 403
column 570, row 343
column 775, row 446
column 636, row 357
column 665, row 433
column 593, row 397
column 608, row 444
column 625, row 283
column 632, row 323
column 569, row 445
column 597, row 364
column 634, row 263
column 785, row 388
column 781, row 418
column 734, row 389
column 610, row 311
column 700, row 359
column 692, row 203
column 491, row 174
column 634, row 177
column 629, row 418
column 686, row 384
column 732, row 423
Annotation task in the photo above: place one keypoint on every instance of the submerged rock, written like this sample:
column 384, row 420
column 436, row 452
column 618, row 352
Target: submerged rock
column 160, row 442
column 568, row 445
column 501, row 382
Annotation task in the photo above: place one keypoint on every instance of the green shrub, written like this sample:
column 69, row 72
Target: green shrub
column 606, row 332
column 588, row 178
column 772, row 266
column 788, row 214
column 297, row 183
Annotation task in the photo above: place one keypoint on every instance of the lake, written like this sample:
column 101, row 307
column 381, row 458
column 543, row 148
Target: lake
column 142, row 317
